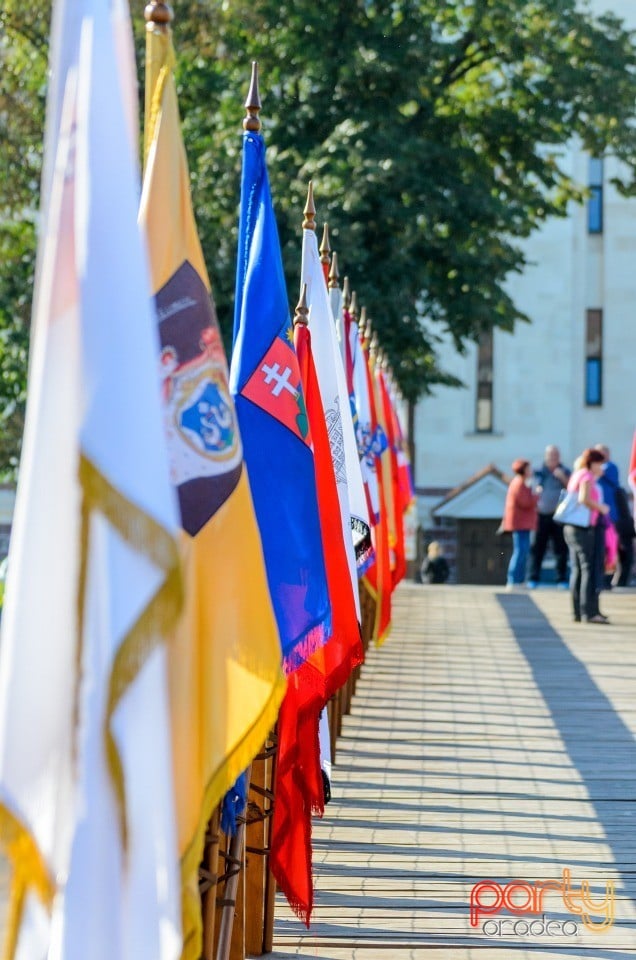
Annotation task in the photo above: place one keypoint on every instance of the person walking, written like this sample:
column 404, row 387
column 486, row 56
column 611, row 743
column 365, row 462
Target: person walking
column 520, row 519
column 552, row 479
column 584, row 584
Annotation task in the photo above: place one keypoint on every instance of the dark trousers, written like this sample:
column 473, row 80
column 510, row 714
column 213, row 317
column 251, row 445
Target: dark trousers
column 548, row 530
column 583, row 570
column 625, row 561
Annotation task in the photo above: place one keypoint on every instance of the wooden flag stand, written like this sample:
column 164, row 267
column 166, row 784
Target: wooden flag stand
column 260, row 888
column 238, row 905
column 208, row 880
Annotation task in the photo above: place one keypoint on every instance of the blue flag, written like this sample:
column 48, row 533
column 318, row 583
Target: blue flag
column 265, row 382
column 233, row 805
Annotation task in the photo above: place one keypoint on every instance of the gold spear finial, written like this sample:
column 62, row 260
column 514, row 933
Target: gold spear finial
column 334, row 276
column 374, row 345
column 158, row 14
column 346, row 293
column 324, row 248
column 309, row 223
column 253, row 103
column 353, row 306
column 365, row 327
column 301, row 314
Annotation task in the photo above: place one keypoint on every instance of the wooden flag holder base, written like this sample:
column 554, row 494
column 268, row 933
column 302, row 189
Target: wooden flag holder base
column 229, row 930
column 238, row 905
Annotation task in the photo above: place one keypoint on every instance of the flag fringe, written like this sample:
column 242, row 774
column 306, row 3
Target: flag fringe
column 298, row 908
column 155, row 623
column 315, row 638
column 29, row 872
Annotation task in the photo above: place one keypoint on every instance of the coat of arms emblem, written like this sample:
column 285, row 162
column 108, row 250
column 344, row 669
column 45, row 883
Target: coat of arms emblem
column 204, row 445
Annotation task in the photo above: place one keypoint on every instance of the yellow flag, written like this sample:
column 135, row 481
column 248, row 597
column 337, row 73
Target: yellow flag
column 225, row 667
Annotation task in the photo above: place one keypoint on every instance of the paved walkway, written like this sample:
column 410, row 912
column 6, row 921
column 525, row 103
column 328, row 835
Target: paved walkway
column 491, row 739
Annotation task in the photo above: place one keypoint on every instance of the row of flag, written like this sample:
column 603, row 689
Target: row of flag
column 188, row 539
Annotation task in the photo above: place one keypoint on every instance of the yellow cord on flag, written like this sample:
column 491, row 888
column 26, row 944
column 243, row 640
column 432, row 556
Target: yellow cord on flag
column 157, row 97
column 156, row 622
column 29, row 872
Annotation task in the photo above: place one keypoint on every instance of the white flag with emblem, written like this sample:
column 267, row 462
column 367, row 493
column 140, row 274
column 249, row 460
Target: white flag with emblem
column 335, row 401
column 364, row 432
column 86, row 799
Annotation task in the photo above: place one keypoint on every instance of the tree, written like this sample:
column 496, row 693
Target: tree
column 23, row 60
column 434, row 131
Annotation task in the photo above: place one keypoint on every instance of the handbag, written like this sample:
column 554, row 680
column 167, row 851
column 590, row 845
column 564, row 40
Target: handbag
column 569, row 510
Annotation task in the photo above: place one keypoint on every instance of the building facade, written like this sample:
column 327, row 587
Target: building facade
column 567, row 377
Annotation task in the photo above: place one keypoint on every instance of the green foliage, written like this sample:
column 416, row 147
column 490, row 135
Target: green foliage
column 435, row 132
column 23, row 63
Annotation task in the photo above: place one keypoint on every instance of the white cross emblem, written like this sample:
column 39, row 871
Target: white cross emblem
column 282, row 379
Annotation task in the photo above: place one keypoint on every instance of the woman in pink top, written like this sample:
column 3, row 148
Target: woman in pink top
column 584, row 584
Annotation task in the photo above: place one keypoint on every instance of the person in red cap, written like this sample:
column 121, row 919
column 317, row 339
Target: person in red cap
column 520, row 519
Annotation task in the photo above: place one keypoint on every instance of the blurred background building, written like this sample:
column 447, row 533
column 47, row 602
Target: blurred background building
column 566, row 379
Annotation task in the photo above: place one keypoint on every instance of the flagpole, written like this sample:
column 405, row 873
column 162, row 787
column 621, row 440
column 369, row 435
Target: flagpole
column 236, row 853
column 208, row 883
column 252, row 123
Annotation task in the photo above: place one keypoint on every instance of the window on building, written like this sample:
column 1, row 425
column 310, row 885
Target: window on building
column 484, row 414
column 594, row 358
column 595, row 203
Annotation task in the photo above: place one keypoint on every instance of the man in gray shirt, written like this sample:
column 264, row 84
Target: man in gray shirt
column 551, row 479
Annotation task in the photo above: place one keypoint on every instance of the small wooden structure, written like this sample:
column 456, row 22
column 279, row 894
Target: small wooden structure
column 476, row 507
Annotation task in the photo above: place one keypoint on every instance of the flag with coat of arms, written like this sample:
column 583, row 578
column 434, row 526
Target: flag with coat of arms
column 226, row 678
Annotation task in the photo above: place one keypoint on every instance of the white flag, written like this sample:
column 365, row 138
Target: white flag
column 86, row 793
column 335, row 401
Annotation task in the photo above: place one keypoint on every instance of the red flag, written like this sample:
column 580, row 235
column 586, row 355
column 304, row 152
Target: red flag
column 298, row 790
column 407, row 489
column 343, row 650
